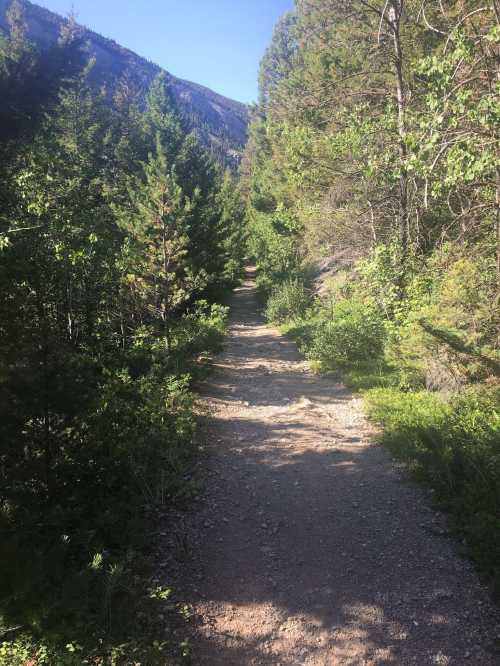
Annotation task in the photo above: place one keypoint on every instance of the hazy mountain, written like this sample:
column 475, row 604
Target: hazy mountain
column 220, row 122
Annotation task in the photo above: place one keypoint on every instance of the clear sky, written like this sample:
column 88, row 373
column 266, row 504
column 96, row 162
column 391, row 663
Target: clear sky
column 218, row 43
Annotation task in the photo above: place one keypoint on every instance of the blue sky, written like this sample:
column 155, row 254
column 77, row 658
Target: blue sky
column 218, row 43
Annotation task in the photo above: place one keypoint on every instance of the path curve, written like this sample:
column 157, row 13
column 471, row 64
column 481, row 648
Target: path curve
column 314, row 547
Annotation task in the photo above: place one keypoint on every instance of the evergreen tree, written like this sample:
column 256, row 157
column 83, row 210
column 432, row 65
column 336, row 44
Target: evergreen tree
column 159, row 268
column 161, row 120
column 232, row 229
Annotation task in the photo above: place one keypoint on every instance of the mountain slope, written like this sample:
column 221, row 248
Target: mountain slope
column 220, row 122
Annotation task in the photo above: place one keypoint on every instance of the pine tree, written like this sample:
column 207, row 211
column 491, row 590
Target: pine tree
column 161, row 120
column 232, row 229
column 159, row 269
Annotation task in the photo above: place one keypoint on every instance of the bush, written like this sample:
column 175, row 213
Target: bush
column 87, row 500
column 350, row 333
column 448, row 336
column 404, row 415
column 200, row 331
column 76, row 497
column 288, row 302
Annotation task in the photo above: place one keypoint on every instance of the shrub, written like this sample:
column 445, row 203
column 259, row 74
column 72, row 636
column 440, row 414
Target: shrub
column 448, row 337
column 288, row 302
column 200, row 331
column 350, row 333
column 404, row 415
column 128, row 450
column 74, row 513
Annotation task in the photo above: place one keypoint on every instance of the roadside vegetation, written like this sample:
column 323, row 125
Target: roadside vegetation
column 372, row 179
column 119, row 236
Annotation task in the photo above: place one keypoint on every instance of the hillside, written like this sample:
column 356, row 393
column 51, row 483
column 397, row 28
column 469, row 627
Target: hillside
column 220, row 122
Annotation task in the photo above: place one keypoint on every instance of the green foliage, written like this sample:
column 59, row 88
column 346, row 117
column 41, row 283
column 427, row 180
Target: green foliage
column 447, row 336
column 288, row 302
column 277, row 61
column 198, row 333
column 406, row 411
column 349, row 333
column 21, row 652
column 127, row 447
column 232, row 230
column 274, row 243
column 157, row 262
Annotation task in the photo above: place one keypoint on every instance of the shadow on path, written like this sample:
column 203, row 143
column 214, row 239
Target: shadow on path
column 311, row 547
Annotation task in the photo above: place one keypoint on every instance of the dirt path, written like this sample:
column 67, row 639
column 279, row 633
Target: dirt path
column 314, row 547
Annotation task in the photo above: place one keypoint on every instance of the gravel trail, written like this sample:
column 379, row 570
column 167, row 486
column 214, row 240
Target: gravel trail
column 311, row 546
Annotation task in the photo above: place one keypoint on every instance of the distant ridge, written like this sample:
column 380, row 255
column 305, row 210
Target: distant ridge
column 220, row 122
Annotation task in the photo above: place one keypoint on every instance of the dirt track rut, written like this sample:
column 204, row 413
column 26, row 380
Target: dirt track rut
column 311, row 546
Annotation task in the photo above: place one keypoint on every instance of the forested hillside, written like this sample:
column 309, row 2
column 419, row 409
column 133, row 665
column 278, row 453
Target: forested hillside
column 220, row 123
column 118, row 233
column 373, row 181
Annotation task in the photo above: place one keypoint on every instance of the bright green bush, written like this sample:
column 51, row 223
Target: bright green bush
column 288, row 301
column 302, row 331
column 273, row 243
column 404, row 414
column 349, row 333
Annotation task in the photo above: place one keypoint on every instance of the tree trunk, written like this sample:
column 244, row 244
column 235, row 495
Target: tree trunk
column 166, row 327
column 395, row 12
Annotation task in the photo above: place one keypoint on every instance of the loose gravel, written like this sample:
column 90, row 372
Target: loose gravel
column 308, row 544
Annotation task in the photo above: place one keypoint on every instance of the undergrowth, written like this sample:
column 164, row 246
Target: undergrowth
column 76, row 531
